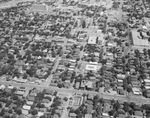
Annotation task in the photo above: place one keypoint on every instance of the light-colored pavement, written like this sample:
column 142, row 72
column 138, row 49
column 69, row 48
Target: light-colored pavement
column 138, row 99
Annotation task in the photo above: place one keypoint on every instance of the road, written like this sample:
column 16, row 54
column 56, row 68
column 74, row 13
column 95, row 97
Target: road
column 138, row 99
column 12, row 3
column 58, row 58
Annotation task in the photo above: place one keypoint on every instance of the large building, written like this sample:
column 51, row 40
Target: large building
column 137, row 40
column 39, row 7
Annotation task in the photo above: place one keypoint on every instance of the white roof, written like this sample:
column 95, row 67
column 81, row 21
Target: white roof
column 26, row 107
column 10, row 87
column 105, row 114
column 29, row 102
column 109, row 54
column 2, row 87
column 89, row 84
column 135, row 89
column 121, row 76
column 71, row 69
column 119, row 80
column 147, row 87
column 94, row 63
column 137, row 93
column 25, row 112
column 147, row 80
column 92, row 40
column 72, row 60
column 91, row 67
column 40, row 114
column 137, row 41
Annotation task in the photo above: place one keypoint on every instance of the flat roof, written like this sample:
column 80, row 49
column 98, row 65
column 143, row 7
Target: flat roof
column 137, row 41
column 38, row 7
column 91, row 67
column 147, row 80
column 92, row 40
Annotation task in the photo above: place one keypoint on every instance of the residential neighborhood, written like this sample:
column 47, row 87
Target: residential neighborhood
column 74, row 59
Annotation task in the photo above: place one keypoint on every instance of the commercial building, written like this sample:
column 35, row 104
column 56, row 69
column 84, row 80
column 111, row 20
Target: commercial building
column 137, row 40
column 92, row 40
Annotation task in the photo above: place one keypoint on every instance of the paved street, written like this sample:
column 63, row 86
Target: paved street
column 137, row 99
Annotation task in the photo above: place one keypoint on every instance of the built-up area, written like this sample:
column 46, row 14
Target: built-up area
column 75, row 59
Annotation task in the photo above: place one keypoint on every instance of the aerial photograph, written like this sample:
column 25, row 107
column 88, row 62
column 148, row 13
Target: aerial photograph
column 74, row 58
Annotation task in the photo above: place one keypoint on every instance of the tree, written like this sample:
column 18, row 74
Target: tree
column 83, row 24
column 40, row 95
column 144, row 93
column 128, row 80
column 10, row 111
column 65, row 99
column 132, row 105
column 129, row 89
column 8, row 102
column 125, row 84
column 126, row 107
column 145, row 51
column 2, row 112
column 123, row 59
column 19, row 111
column 96, row 99
column 77, row 111
column 116, row 106
column 0, row 105
column 112, row 112
column 34, row 112
column 148, row 64
column 137, row 53
column 13, row 116
column 25, row 75
column 43, row 116
column 6, row 115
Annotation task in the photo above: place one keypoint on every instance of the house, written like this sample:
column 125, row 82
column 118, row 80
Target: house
column 25, row 112
column 57, row 111
column 136, row 91
column 90, row 97
column 2, row 87
column 30, row 103
column 48, row 91
column 88, row 115
column 26, row 107
column 138, row 114
column 120, row 82
column 120, row 90
column 40, row 114
column 107, row 107
column 42, row 109
column 20, row 93
column 121, row 76
column 55, row 116
column 45, row 101
column 72, row 115
column 89, row 84
column 92, row 40
column 77, row 85
column 122, row 116
column 7, row 90
column 105, row 115
column 147, row 82
column 30, row 98
column 33, row 94
column 89, row 108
